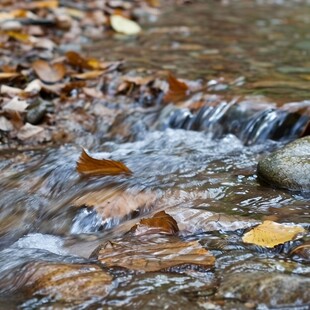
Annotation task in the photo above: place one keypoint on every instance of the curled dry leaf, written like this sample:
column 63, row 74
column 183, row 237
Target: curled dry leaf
column 165, row 253
column 49, row 73
column 270, row 234
column 161, row 222
column 124, row 25
column 87, row 165
column 177, row 90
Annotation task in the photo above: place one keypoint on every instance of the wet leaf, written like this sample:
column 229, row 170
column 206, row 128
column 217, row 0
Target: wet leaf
column 49, row 73
column 161, row 223
column 114, row 203
column 87, row 165
column 270, row 234
column 155, row 254
column 177, row 90
column 124, row 25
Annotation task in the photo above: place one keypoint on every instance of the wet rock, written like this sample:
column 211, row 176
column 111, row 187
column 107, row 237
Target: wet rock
column 65, row 282
column 155, row 253
column 36, row 112
column 289, row 167
column 272, row 289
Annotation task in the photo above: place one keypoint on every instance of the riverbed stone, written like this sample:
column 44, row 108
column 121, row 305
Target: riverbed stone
column 289, row 167
column 271, row 289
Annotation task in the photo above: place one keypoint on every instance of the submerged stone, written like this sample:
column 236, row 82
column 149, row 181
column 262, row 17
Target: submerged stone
column 272, row 289
column 289, row 167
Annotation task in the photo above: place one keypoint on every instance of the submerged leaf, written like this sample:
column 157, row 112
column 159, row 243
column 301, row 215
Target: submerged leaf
column 95, row 167
column 124, row 25
column 270, row 234
column 49, row 73
column 149, row 254
column 161, row 222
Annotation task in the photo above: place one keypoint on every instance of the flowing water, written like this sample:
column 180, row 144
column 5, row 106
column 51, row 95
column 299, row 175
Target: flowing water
column 200, row 166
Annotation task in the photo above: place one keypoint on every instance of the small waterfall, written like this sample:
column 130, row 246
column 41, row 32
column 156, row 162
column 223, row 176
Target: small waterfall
column 251, row 125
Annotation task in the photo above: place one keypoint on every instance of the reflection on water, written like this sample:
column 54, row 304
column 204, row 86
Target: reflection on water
column 265, row 42
column 205, row 178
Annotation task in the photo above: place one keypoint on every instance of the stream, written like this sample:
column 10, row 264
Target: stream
column 197, row 165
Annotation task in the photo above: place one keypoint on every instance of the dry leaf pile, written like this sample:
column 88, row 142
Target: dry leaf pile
column 47, row 87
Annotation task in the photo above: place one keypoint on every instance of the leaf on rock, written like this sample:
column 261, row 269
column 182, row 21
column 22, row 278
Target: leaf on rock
column 161, row 222
column 49, row 73
column 124, row 25
column 270, row 234
column 87, row 165
column 177, row 90
column 149, row 254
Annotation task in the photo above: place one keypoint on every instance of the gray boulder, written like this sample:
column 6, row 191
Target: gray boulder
column 289, row 167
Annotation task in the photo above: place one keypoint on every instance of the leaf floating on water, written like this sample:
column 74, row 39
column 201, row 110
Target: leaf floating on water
column 270, row 234
column 98, row 167
column 161, row 222
column 177, row 90
column 49, row 73
column 124, row 25
column 149, row 254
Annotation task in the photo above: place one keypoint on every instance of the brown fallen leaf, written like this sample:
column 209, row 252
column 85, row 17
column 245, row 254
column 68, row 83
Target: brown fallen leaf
column 49, row 73
column 76, row 60
column 270, row 234
column 87, row 165
column 89, row 75
column 177, row 90
column 8, row 75
column 47, row 4
column 149, row 254
column 161, row 222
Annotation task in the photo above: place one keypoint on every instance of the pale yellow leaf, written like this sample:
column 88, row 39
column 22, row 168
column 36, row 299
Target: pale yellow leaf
column 124, row 25
column 270, row 234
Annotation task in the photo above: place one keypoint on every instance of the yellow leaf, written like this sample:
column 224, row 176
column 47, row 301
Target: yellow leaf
column 270, row 234
column 23, row 37
column 87, row 165
column 124, row 25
